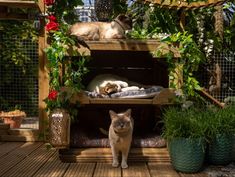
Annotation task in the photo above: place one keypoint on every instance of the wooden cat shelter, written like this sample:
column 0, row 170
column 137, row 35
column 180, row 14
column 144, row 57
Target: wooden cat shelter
column 130, row 59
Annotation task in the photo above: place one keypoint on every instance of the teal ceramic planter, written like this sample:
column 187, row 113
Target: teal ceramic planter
column 233, row 151
column 187, row 155
column 220, row 150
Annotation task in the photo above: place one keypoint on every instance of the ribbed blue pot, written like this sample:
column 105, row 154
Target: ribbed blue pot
column 233, row 151
column 220, row 150
column 187, row 155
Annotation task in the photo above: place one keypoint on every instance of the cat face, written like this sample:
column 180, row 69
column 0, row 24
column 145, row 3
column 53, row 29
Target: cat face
column 121, row 122
column 126, row 20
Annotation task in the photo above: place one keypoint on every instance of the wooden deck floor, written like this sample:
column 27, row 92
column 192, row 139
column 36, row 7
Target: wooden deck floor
column 33, row 159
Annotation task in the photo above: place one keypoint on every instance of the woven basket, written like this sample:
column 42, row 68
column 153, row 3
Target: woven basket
column 220, row 150
column 187, row 155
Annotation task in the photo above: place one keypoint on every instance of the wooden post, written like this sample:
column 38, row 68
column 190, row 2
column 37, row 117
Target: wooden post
column 43, row 79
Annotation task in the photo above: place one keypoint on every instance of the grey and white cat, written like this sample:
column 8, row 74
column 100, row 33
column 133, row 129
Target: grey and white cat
column 120, row 136
column 109, row 83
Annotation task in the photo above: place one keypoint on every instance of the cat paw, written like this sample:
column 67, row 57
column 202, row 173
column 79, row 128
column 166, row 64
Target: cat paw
column 124, row 165
column 115, row 164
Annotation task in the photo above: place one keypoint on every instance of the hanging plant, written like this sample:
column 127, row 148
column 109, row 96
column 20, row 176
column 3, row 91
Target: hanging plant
column 65, row 73
column 187, row 64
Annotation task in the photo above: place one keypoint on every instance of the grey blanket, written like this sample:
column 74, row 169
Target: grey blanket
column 146, row 93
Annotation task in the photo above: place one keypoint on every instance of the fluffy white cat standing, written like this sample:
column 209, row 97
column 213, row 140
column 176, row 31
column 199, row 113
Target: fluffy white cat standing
column 120, row 136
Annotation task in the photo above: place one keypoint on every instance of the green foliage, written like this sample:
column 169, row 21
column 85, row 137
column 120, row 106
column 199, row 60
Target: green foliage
column 221, row 121
column 64, row 10
column 15, row 61
column 15, row 52
column 191, row 58
column 149, row 21
column 196, row 122
column 59, row 54
column 65, row 71
column 185, row 123
column 119, row 7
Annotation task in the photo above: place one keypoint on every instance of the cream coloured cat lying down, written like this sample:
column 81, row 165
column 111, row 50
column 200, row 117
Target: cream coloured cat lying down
column 109, row 83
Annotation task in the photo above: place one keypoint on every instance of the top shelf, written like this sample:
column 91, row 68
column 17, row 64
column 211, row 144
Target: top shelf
column 127, row 45
column 19, row 3
column 182, row 4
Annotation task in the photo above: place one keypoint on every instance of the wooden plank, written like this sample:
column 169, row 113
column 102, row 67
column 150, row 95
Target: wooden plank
column 14, row 157
column 199, row 174
column 162, row 170
column 82, row 169
column 119, row 101
column 6, row 148
column 183, row 4
column 4, row 126
column 29, row 165
column 165, row 97
column 106, row 169
column 21, row 138
column 43, row 78
column 136, row 170
column 53, row 167
column 128, row 45
column 18, row 3
column 3, row 132
column 23, row 132
column 104, row 155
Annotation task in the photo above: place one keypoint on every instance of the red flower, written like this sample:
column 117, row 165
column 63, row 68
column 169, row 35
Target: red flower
column 52, row 26
column 52, row 95
column 52, row 18
column 49, row 2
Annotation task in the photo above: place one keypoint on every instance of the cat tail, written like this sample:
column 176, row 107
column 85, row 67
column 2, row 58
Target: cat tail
column 105, row 132
column 81, row 41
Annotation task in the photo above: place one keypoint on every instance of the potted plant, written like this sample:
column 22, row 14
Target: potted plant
column 184, row 130
column 220, row 135
column 14, row 118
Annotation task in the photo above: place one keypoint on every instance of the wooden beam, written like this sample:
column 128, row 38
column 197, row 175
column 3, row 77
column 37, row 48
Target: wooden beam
column 182, row 4
column 43, row 78
column 10, row 16
column 19, row 3
column 128, row 45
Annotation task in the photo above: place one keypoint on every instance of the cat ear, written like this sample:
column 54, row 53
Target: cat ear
column 128, row 113
column 112, row 114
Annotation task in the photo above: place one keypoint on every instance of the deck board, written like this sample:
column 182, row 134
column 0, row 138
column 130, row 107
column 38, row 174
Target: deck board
column 10, row 160
column 53, row 168
column 29, row 165
column 162, row 170
column 80, row 169
column 34, row 160
column 105, row 169
column 200, row 174
column 136, row 170
column 5, row 148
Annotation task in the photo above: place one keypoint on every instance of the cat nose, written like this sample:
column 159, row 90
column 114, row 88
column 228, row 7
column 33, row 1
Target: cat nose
column 122, row 125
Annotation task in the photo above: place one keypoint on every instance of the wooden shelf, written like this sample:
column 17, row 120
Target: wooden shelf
column 165, row 97
column 182, row 4
column 19, row 3
column 127, row 45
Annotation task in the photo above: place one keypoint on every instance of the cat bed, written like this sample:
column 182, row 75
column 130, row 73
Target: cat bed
column 146, row 93
column 93, row 139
